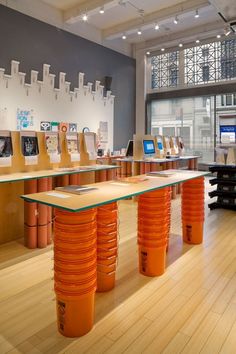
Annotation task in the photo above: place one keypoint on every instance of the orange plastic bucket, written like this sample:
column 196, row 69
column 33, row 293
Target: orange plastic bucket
column 152, row 243
column 153, row 236
column 72, row 244
column 49, row 233
column 74, row 257
column 158, row 217
column 152, row 224
column 75, row 287
column 74, row 248
column 106, row 252
column 158, row 208
column 104, row 237
column 75, row 267
column 110, row 206
column 108, row 244
column 105, row 281
column 199, row 180
column 106, row 260
column 76, row 279
column 75, row 314
column 30, row 186
column 152, row 260
column 30, row 236
column 157, row 193
column 107, row 216
column 82, row 217
column 30, row 213
column 106, row 268
column 74, row 230
column 106, row 228
column 192, row 232
column 42, row 236
column 192, row 208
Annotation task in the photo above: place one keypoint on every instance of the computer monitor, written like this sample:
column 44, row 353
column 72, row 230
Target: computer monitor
column 149, row 147
column 130, row 149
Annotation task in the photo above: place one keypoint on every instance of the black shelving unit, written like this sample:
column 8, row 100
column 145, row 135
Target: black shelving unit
column 226, row 187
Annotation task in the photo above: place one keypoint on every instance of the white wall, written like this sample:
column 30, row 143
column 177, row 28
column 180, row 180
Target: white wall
column 85, row 106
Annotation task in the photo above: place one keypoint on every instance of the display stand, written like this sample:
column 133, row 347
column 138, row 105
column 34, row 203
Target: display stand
column 226, row 187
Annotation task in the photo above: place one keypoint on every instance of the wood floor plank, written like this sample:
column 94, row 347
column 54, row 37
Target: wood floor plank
column 189, row 309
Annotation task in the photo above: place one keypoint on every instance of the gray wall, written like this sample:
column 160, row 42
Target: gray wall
column 35, row 43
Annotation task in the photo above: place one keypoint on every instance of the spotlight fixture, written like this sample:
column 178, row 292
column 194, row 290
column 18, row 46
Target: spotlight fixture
column 218, row 36
column 176, row 20
column 227, row 31
column 85, row 17
column 124, row 36
column 197, row 41
column 196, row 14
column 156, row 27
column 148, row 53
column 181, row 45
column 101, row 11
column 162, row 49
column 139, row 32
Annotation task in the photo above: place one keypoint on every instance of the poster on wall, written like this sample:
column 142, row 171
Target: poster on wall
column 45, row 126
column 52, row 145
column 103, row 132
column 64, row 127
column 24, row 119
column 54, row 126
column 73, row 127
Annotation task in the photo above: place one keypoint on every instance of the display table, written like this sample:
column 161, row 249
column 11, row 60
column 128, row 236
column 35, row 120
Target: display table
column 38, row 218
column 78, row 223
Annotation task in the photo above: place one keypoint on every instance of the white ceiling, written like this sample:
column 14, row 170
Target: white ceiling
column 108, row 28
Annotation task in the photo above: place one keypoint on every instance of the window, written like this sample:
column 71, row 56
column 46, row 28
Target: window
column 206, row 63
column 229, row 100
column 222, row 100
column 205, row 73
column 234, row 99
column 165, row 70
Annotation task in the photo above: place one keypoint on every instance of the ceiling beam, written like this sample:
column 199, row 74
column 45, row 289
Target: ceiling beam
column 157, row 16
column 173, row 39
column 73, row 14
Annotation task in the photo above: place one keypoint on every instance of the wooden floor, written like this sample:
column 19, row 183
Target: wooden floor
column 190, row 309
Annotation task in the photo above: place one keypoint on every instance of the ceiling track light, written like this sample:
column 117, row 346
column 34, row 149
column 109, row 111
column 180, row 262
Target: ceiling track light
column 102, row 10
column 85, row 17
column 148, row 53
column 139, row 32
column 176, row 20
column 218, row 36
column 227, row 31
column 162, row 49
column 196, row 14
column 124, row 36
column 157, row 27
column 197, row 41
column 181, row 45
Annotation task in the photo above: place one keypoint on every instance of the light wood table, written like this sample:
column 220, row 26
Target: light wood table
column 106, row 193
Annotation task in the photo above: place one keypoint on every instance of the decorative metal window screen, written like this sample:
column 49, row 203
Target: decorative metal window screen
column 211, row 62
column 165, row 70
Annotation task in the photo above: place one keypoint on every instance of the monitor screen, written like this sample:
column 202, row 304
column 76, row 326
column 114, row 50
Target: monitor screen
column 29, row 145
column 160, row 146
column 148, row 147
column 130, row 149
column 5, row 146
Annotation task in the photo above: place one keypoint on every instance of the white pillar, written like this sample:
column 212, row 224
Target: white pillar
column 140, row 91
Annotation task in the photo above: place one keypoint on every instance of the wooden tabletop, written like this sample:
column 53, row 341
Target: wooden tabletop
column 158, row 160
column 22, row 176
column 110, row 191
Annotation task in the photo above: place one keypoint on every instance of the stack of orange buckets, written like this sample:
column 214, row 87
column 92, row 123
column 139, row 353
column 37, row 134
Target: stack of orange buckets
column 107, row 247
column 75, row 270
column 193, row 210
column 153, row 231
